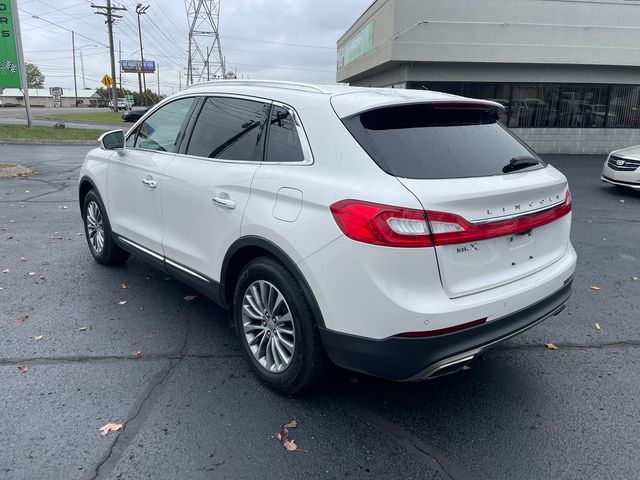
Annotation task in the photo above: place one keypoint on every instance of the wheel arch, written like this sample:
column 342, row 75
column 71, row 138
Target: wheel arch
column 246, row 249
column 84, row 186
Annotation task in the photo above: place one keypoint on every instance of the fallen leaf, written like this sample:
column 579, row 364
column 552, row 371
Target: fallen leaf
column 597, row 325
column 62, row 206
column 290, row 445
column 21, row 319
column 354, row 381
column 621, row 201
column 635, row 279
column 188, row 298
column 79, row 233
column 466, row 368
column 283, row 436
column 110, row 427
column 551, row 346
column 83, row 329
column 6, row 270
column 291, row 424
column 23, row 369
column 147, row 278
column 27, row 191
column 595, row 288
column 137, row 353
column 122, row 302
column 23, row 259
column 39, row 337
column 124, row 286
column 31, row 274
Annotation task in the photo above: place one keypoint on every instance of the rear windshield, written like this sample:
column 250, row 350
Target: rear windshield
column 423, row 141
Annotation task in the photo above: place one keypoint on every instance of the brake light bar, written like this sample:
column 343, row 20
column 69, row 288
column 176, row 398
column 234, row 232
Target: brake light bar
column 390, row 226
column 463, row 105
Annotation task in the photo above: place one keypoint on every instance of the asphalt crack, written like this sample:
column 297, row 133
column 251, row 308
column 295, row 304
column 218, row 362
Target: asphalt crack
column 133, row 424
column 428, row 454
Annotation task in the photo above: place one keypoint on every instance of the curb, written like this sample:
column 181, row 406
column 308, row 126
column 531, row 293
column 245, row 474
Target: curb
column 29, row 141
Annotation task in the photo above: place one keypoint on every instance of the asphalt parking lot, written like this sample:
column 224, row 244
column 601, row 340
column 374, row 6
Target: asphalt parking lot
column 192, row 409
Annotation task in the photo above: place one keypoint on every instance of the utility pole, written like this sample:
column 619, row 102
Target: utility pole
column 204, row 18
column 179, row 80
column 84, row 84
column 20, row 57
column 158, row 72
column 107, row 11
column 75, row 82
column 141, row 10
column 120, row 64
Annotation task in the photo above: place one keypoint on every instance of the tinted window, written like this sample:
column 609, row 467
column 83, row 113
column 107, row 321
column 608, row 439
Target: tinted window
column 420, row 141
column 160, row 131
column 283, row 144
column 230, row 129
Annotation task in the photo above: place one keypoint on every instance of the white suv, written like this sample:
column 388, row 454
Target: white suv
column 396, row 233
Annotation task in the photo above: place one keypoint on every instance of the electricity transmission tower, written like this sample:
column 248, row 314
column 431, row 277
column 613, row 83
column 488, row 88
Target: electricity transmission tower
column 205, row 52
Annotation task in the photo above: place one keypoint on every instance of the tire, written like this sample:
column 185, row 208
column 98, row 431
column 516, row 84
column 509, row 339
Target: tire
column 308, row 363
column 96, row 227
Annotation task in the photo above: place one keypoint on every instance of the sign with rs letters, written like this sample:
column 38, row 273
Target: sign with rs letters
column 9, row 67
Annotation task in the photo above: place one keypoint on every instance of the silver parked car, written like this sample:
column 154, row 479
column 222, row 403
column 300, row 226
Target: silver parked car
column 622, row 168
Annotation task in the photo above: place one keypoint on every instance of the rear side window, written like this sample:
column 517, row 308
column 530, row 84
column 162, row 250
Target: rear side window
column 422, row 141
column 230, row 129
column 284, row 143
column 160, row 131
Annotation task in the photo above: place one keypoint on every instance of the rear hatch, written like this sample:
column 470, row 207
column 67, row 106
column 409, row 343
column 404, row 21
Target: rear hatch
column 497, row 212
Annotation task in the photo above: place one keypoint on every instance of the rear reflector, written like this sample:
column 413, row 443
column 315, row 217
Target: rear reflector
column 442, row 331
column 390, row 226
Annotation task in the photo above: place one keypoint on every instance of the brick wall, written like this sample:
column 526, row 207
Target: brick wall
column 578, row 140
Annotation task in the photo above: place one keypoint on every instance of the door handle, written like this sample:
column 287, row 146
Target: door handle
column 148, row 182
column 224, row 202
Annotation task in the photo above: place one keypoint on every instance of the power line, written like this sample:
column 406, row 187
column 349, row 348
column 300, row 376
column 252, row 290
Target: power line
column 60, row 26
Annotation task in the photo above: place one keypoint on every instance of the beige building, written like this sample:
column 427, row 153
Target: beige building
column 40, row 97
column 567, row 71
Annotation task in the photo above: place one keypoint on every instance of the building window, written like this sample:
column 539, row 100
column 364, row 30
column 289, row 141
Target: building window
column 553, row 105
column 624, row 107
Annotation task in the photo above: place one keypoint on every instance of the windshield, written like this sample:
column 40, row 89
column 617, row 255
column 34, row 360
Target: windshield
column 425, row 141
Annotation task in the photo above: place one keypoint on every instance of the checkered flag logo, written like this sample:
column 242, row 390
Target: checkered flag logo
column 9, row 65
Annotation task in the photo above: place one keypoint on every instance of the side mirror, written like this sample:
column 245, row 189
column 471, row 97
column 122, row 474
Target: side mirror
column 113, row 140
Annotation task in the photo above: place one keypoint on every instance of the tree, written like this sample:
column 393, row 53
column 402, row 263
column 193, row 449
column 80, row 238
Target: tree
column 35, row 78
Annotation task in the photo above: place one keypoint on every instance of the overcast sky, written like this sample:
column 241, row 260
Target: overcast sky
column 269, row 39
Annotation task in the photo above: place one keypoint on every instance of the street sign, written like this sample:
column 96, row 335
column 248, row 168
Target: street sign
column 55, row 91
column 9, row 64
column 107, row 81
column 133, row 66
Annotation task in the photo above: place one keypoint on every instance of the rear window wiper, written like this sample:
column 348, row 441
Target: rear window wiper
column 518, row 163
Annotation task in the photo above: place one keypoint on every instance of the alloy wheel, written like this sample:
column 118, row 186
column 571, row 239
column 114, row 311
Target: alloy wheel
column 95, row 227
column 268, row 326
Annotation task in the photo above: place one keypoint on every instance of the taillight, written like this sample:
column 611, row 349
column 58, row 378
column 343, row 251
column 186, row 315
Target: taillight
column 382, row 224
column 390, row 226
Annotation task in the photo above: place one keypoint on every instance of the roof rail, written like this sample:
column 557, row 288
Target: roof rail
column 307, row 87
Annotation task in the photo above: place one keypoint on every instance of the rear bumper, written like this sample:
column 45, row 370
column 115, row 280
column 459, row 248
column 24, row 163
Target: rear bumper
column 414, row 359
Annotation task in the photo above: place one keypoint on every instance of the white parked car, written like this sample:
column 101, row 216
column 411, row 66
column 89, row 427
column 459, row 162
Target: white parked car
column 396, row 233
column 622, row 168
